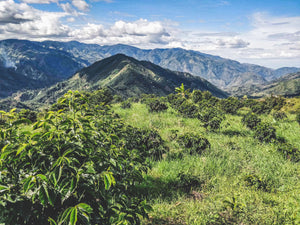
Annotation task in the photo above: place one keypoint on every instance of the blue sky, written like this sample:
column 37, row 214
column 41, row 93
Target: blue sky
column 262, row 32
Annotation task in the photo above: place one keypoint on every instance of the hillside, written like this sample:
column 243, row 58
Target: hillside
column 52, row 61
column 123, row 75
column 288, row 85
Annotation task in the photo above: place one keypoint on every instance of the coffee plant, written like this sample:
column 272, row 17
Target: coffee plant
column 211, row 117
column 193, row 143
column 264, row 132
column 156, row 105
column 126, row 104
column 72, row 167
column 279, row 115
column 251, row 120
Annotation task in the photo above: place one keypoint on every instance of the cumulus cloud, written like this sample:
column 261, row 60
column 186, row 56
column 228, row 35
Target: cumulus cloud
column 232, row 43
column 40, row 1
column 80, row 4
column 22, row 20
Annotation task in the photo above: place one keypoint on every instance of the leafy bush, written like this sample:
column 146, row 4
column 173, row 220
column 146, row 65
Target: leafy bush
column 197, row 96
column 264, row 132
column 28, row 114
column 188, row 109
column 175, row 100
column 146, row 143
column 255, row 181
column 194, row 143
column 230, row 105
column 279, row 115
column 275, row 102
column 298, row 117
column 156, row 105
column 289, row 151
column 251, row 120
column 126, row 104
column 260, row 108
column 211, row 117
column 71, row 168
column 187, row 182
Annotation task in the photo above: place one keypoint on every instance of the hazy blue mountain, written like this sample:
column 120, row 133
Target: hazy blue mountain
column 224, row 73
column 32, row 60
column 51, row 61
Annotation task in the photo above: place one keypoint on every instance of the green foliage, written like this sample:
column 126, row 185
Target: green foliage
column 279, row 115
column 187, row 182
column 289, row 151
column 255, row 181
column 193, row 143
column 71, row 167
column 175, row 100
column 188, row 109
column 126, row 104
column 144, row 143
column 211, row 117
column 28, row 114
column 264, row 132
column 197, row 96
column 251, row 120
column 298, row 117
column 156, row 105
column 230, row 105
column 275, row 102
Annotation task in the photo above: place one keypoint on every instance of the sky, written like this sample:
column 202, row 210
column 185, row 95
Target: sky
column 261, row 32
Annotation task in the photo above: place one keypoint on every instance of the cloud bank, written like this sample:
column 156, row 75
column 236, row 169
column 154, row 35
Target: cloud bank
column 270, row 40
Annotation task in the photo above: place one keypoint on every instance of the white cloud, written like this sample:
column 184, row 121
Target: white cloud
column 40, row 1
column 81, row 5
column 22, row 20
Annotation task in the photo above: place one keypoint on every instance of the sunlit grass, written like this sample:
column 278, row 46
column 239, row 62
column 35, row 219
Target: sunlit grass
column 222, row 169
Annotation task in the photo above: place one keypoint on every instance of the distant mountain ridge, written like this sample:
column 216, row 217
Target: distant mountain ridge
column 219, row 71
column 287, row 85
column 123, row 75
column 51, row 61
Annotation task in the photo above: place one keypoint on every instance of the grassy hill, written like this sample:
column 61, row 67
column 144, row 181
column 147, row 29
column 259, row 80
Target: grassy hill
column 212, row 188
column 187, row 158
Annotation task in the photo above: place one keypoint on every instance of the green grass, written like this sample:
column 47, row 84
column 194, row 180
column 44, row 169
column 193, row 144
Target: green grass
column 221, row 170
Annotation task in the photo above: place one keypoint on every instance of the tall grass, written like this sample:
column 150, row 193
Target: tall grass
column 223, row 195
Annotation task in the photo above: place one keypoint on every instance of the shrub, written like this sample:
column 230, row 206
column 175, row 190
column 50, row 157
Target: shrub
column 187, row 182
column 251, row 120
column 279, row 115
column 188, row 109
column 28, row 114
column 230, row 105
column 289, row 151
column 256, row 182
column 70, row 168
column 275, row 102
column 194, row 143
column 175, row 100
column 156, row 105
column 126, row 104
column 264, row 132
column 148, row 143
column 298, row 117
column 211, row 117
column 197, row 96
column 260, row 108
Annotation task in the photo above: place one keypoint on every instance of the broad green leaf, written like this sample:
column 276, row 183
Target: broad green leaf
column 73, row 216
column 3, row 188
column 43, row 177
column 22, row 121
column 21, row 148
column 85, row 207
column 51, row 221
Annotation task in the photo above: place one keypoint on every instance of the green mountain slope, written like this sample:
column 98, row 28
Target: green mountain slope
column 288, row 85
column 125, row 76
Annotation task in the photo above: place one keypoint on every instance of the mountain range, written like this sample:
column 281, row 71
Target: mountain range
column 123, row 75
column 49, row 62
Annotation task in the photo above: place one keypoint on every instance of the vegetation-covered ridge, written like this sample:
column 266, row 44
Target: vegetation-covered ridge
column 187, row 158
